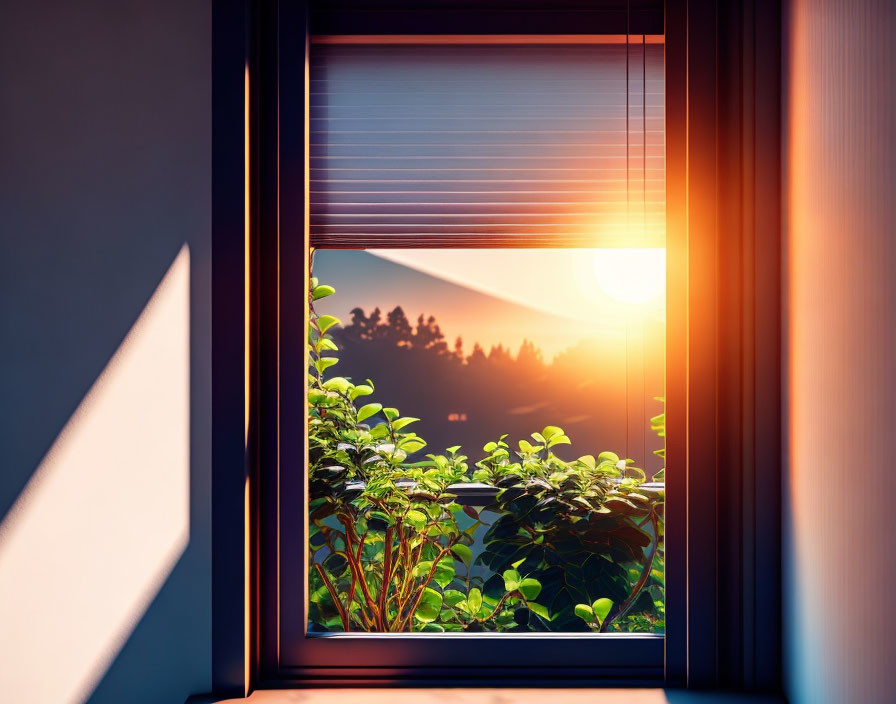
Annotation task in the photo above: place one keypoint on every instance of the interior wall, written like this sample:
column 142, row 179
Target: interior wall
column 105, row 246
column 840, row 210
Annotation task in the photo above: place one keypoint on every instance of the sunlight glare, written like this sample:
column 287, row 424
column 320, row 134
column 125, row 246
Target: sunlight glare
column 636, row 275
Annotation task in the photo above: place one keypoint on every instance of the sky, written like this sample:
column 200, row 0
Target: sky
column 552, row 297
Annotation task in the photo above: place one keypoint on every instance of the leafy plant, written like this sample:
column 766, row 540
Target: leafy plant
column 647, row 608
column 383, row 532
column 576, row 527
column 390, row 548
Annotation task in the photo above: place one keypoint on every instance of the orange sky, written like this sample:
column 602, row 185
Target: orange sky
column 549, row 296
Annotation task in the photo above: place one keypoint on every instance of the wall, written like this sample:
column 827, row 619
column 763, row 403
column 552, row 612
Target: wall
column 840, row 153
column 105, row 554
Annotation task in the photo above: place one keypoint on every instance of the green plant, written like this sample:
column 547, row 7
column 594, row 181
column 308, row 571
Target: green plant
column 388, row 551
column 575, row 526
column 383, row 534
column 646, row 611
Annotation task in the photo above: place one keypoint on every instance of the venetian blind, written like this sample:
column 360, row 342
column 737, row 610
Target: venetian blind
column 487, row 144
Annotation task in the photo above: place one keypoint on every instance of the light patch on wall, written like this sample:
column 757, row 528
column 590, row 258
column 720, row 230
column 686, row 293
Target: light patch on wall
column 105, row 517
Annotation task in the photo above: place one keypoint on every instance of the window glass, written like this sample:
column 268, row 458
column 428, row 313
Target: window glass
column 538, row 373
column 487, row 328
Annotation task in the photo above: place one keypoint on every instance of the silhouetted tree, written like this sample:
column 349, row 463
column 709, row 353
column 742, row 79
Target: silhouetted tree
column 459, row 348
column 399, row 329
column 529, row 355
column 374, row 323
column 428, row 336
column 499, row 355
column 582, row 389
column 477, row 356
column 362, row 327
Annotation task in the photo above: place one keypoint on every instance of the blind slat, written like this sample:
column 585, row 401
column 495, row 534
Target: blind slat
column 479, row 145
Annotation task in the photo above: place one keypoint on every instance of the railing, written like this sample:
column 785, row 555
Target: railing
column 479, row 494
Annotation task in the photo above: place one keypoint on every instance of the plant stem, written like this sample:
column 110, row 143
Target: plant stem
column 333, row 595
column 356, row 566
column 429, row 577
column 642, row 580
column 387, row 574
column 496, row 611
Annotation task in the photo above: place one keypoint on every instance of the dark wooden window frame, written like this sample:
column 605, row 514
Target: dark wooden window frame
column 723, row 359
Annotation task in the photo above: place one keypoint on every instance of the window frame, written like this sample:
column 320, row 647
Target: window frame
column 723, row 391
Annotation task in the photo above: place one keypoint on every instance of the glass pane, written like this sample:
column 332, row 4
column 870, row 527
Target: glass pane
column 535, row 379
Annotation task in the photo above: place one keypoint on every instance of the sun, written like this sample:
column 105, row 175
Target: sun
column 631, row 275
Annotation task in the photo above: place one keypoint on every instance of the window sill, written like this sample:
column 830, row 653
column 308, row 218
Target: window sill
column 491, row 696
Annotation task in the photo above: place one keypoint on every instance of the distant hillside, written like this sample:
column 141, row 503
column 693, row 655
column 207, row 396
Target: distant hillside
column 468, row 396
column 362, row 279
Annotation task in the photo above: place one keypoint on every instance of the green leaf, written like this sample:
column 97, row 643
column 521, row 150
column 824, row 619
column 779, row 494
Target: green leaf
column 539, row 610
column 322, row 291
column 325, row 322
column 444, row 572
column 411, row 445
column 584, row 612
column 588, row 461
column 528, row 448
column 325, row 343
column 551, row 431
column 559, row 440
column 429, row 607
column 338, row 383
column 474, row 600
column 451, row 450
column 530, row 588
column 324, row 363
column 442, row 576
column 399, row 423
column 316, row 396
column 511, row 580
column 360, row 390
column 490, row 447
column 390, row 413
column 601, row 608
column 416, row 518
column 369, row 409
column 463, row 553
column 608, row 456
column 453, row 597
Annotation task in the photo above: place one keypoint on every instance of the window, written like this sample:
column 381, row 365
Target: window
column 721, row 357
column 515, row 186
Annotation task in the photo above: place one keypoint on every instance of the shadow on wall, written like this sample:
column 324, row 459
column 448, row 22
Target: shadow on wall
column 106, row 516
column 105, row 554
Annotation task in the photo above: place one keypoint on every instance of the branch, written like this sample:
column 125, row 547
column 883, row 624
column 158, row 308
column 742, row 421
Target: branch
column 642, row 580
column 356, row 565
column 429, row 577
column 342, row 613
column 387, row 573
column 496, row 611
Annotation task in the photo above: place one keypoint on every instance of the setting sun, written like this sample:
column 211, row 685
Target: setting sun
column 631, row 275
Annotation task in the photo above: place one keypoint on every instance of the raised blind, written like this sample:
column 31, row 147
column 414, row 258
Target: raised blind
column 487, row 145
